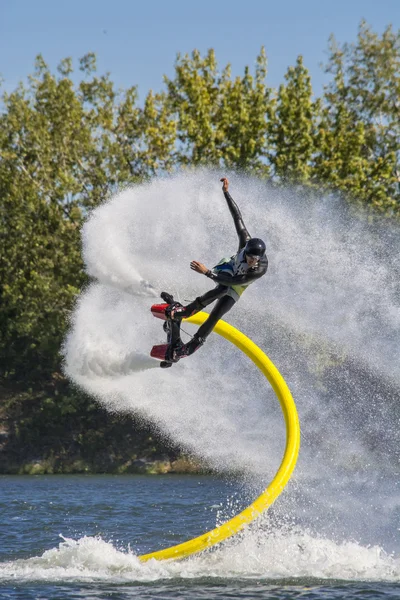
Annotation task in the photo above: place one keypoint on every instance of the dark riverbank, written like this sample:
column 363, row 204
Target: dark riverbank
column 59, row 430
column 76, row 465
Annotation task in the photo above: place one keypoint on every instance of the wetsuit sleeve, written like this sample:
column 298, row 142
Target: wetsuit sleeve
column 241, row 230
column 229, row 280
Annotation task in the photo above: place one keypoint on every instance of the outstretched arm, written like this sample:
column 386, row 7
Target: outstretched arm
column 241, row 230
column 226, row 278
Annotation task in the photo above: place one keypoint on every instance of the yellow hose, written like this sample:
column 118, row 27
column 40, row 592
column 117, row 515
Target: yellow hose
column 285, row 470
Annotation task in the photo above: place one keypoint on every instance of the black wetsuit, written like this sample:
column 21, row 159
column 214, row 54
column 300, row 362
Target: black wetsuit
column 227, row 274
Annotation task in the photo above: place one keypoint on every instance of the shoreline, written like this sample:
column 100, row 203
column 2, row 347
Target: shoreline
column 79, row 466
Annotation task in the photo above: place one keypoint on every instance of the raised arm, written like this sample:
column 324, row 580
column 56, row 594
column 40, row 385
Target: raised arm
column 241, row 230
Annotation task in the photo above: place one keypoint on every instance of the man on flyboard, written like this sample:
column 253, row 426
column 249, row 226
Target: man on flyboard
column 232, row 276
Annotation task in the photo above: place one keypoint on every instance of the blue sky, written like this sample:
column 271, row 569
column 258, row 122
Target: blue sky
column 138, row 41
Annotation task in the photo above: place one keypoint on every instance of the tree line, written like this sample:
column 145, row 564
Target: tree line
column 66, row 146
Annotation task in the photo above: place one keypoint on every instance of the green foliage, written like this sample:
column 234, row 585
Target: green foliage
column 63, row 150
column 292, row 127
column 39, row 220
column 219, row 121
column 362, row 105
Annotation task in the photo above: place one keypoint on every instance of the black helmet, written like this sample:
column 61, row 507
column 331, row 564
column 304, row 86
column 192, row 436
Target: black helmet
column 255, row 247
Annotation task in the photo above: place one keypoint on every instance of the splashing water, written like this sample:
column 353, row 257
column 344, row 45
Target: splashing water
column 252, row 556
column 327, row 313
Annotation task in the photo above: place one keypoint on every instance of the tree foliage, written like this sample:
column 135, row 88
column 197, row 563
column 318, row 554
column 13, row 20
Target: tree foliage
column 63, row 150
column 360, row 130
column 292, row 127
column 219, row 121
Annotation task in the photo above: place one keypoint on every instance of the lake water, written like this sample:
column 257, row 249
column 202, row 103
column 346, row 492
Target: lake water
column 79, row 537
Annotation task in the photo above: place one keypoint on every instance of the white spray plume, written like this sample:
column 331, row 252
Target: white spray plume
column 332, row 289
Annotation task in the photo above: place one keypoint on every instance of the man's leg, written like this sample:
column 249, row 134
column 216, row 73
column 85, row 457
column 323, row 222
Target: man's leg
column 183, row 312
column 223, row 305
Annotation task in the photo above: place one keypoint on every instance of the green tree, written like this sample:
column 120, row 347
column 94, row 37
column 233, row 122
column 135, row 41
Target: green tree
column 220, row 121
column 365, row 93
column 62, row 151
column 246, row 107
column 292, row 127
column 342, row 161
column 130, row 143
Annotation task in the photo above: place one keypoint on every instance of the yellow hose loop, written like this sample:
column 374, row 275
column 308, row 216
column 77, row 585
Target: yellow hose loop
column 285, row 470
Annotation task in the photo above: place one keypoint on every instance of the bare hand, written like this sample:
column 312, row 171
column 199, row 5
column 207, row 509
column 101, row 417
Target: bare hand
column 198, row 267
column 225, row 184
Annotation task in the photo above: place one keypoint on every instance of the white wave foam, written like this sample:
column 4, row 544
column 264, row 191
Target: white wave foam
column 255, row 555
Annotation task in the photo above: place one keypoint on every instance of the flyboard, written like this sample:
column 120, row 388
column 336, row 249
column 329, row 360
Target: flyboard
column 286, row 467
column 165, row 352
